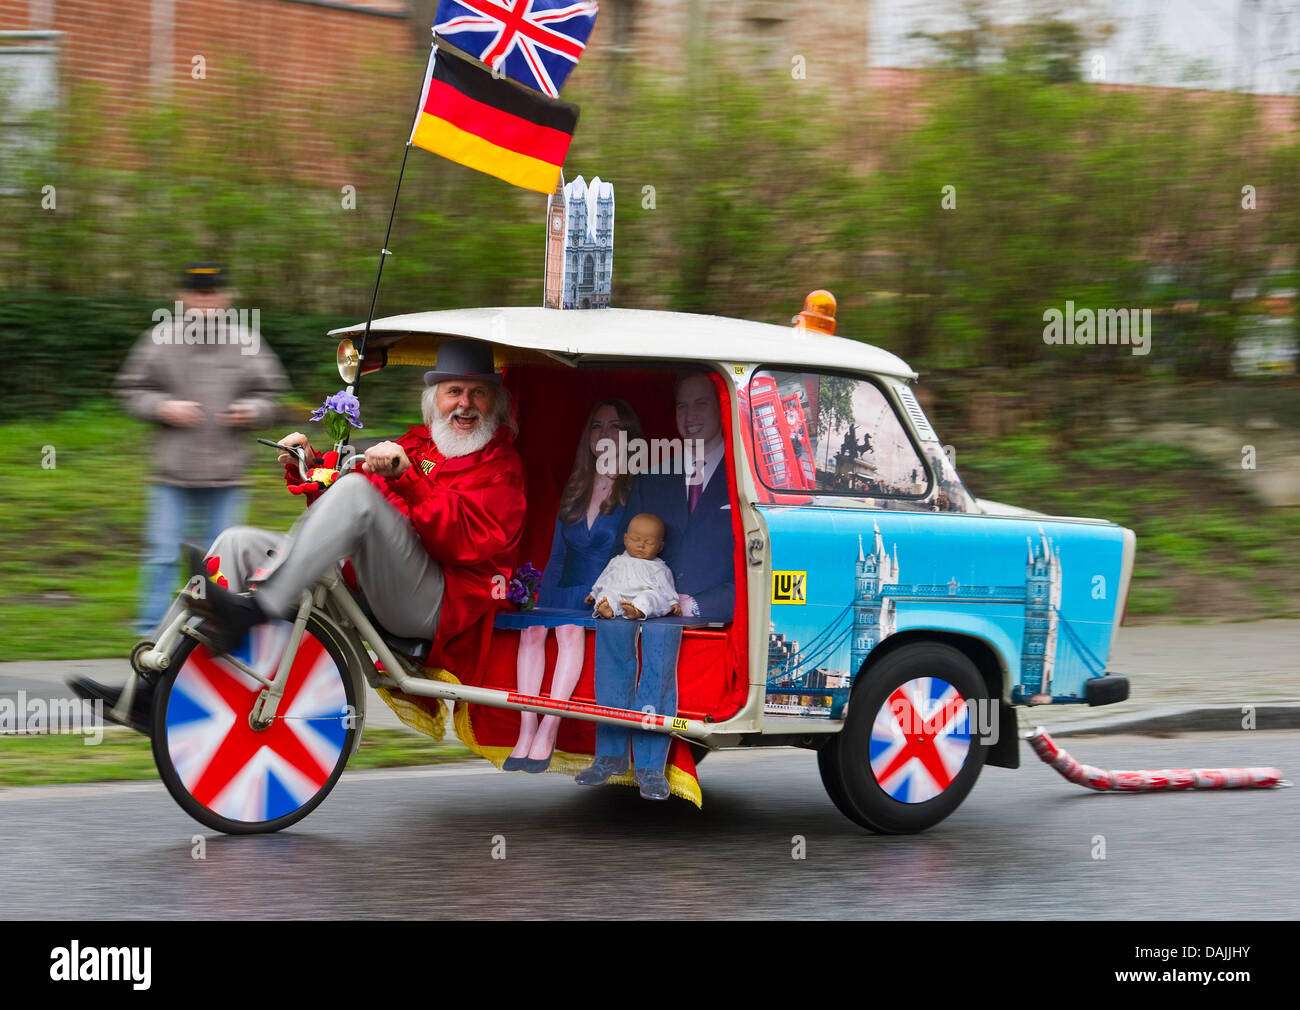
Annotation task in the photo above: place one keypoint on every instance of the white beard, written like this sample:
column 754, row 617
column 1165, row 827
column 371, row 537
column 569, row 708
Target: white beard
column 452, row 443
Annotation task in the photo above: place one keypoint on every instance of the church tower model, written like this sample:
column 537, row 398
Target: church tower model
column 579, row 245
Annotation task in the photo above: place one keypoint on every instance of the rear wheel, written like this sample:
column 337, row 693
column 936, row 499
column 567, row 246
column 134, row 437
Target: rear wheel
column 232, row 776
column 906, row 757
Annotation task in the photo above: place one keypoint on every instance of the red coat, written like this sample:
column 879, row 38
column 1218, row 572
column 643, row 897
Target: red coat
column 469, row 513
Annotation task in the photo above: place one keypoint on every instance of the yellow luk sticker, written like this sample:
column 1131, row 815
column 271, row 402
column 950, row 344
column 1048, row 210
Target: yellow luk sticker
column 680, row 723
column 789, row 587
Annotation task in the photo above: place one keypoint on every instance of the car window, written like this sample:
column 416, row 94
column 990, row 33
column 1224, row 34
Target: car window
column 831, row 434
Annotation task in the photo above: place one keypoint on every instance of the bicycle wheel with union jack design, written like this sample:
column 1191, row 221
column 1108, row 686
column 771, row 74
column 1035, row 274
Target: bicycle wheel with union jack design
column 239, row 778
column 907, row 755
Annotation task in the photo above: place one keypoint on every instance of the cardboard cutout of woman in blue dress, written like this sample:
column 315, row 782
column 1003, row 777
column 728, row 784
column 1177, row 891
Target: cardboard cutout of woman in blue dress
column 590, row 521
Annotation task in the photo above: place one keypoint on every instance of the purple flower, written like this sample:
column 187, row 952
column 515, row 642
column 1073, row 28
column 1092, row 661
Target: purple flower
column 341, row 403
column 347, row 405
column 522, row 589
column 339, row 412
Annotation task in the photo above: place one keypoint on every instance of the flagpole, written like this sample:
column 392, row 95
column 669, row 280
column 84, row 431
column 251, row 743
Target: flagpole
column 384, row 252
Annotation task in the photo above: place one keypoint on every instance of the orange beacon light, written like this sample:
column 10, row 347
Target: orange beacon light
column 818, row 313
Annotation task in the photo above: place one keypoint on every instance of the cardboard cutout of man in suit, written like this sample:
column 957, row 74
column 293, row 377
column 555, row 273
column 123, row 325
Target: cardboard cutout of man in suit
column 699, row 549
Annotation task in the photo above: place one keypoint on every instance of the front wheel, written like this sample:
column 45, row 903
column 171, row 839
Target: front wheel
column 906, row 757
column 237, row 778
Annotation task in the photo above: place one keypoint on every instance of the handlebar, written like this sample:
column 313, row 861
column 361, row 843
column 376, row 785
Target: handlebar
column 346, row 465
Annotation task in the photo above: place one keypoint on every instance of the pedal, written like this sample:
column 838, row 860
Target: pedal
column 138, row 650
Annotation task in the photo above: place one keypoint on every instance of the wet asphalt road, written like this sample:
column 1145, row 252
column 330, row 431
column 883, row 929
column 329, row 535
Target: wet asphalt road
column 418, row 844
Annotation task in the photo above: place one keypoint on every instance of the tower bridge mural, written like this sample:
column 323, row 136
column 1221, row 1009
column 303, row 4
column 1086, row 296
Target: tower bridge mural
column 814, row 677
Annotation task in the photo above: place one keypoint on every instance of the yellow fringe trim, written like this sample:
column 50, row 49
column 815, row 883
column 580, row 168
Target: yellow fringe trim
column 562, row 762
column 417, row 716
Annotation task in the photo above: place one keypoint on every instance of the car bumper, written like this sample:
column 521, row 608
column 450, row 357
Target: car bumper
column 1107, row 690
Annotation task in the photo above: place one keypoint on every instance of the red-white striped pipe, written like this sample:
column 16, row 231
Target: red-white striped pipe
column 1149, row 781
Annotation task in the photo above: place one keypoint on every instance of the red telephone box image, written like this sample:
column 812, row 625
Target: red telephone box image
column 800, row 443
column 782, row 451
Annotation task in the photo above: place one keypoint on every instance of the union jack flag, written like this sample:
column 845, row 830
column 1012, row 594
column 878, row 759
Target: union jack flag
column 535, row 42
column 920, row 740
column 244, row 774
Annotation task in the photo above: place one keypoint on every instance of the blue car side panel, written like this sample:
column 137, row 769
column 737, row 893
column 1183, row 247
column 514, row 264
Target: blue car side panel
column 936, row 618
column 1042, row 592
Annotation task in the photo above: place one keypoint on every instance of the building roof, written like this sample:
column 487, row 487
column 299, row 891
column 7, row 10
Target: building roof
column 586, row 334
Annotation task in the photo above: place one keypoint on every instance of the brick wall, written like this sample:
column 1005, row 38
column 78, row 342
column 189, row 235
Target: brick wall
column 760, row 35
column 312, row 52
column 134, row 49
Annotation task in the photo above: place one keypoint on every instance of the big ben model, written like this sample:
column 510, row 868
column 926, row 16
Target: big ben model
column 556, row 215
column 579, row 245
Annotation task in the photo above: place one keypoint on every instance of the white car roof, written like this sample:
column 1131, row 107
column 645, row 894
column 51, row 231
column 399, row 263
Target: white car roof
column 576, row 334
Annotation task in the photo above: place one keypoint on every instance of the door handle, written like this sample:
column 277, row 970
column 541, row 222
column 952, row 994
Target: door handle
column 755, row 546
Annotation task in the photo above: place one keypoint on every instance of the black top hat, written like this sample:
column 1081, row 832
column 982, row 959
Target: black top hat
column 203, row 277
column 463, row 359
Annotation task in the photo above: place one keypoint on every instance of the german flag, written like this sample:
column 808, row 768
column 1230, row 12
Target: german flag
column 492, row 125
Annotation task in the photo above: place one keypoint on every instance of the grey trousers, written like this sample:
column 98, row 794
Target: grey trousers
column 401, row 583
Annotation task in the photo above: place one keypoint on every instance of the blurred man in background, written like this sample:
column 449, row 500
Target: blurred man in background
column 203, row 377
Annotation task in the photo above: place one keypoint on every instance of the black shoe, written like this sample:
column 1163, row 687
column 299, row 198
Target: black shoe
column 227, row 616
column 140, row 718
column 654, row 785
column 536, row 766
column 601, row 771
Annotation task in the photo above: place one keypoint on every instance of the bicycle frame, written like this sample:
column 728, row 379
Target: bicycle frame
column 333, row 605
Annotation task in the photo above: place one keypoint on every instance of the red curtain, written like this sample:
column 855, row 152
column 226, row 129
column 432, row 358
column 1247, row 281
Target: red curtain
column 551, row 405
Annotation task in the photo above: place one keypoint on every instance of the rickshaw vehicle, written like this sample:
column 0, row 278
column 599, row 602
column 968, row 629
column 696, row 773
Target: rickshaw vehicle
column 883, row 616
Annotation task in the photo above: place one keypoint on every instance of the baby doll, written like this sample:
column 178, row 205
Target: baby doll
column 640, row 585
column 637, row 582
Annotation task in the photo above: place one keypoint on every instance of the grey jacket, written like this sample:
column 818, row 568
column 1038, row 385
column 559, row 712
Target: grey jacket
column 215, row 375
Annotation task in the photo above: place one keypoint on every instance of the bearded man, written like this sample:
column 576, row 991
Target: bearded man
column 426, row 529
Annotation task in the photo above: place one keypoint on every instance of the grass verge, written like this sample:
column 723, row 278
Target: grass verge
column 71, row 529
column 125, row 755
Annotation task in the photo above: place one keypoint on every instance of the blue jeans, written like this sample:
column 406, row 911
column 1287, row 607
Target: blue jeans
column 177, row 514
column 618, row 686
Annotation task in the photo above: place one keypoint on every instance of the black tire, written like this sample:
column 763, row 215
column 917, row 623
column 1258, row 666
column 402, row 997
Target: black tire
column 828, row 764
column 317, row 775
column 915, row 795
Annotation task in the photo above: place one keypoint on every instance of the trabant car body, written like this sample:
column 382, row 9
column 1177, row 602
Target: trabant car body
column 884, row 616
